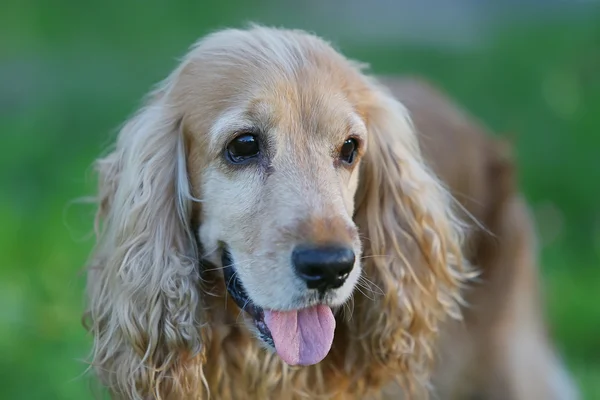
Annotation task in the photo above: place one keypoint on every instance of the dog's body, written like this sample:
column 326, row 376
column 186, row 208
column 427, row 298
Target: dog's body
column 501, row 349
column 181, row 189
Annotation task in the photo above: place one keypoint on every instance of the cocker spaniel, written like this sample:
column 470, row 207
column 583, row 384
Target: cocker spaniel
column 275, row 224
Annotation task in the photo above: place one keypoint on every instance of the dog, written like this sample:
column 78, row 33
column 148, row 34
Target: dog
column 275, row 223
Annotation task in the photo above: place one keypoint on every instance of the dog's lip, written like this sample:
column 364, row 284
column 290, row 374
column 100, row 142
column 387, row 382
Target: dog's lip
column 242, row 300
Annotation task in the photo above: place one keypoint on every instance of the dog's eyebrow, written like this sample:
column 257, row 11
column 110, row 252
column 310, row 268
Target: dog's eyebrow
column 357, row 124
column 226, row 126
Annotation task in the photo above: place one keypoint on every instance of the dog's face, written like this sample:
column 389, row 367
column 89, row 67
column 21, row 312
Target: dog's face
column 276, row 168
column 252, row 147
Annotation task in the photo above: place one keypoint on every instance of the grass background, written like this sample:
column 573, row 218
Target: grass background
column 71, row 72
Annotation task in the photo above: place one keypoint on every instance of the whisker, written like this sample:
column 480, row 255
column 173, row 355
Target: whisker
column 364, row 294
column 231, row 279
column 227, row 286
column 410, row 270
column 242, row 311
column 368, row 289
column 364, row 280
column 364, row 238
column 211, row 252
column 214, row 269
column 349, row 305
column 373, row 256
column 238, row 264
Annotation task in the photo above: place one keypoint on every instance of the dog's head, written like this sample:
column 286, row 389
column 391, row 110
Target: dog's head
column 266, row 161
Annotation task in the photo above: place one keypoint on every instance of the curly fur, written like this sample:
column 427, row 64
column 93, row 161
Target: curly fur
column 162, row 324
column 146, row 309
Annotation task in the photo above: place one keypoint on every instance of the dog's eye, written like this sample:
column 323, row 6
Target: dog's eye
column 348, row 150
column 242, row 148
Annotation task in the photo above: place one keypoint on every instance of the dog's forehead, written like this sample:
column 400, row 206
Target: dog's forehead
column 305, row 108
column 309, row 93
column 290, row 112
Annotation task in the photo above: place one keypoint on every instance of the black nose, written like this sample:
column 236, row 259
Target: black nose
column 323, row 267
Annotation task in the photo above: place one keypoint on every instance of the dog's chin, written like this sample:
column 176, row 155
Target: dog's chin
column 255, row 313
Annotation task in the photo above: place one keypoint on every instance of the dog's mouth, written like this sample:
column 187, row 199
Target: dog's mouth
column 300, row 337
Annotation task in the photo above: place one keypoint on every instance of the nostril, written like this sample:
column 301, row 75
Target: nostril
column 345, row 260
column 323, row 267
column 311, row 272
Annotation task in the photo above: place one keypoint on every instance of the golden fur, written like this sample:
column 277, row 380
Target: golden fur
column 163, row 325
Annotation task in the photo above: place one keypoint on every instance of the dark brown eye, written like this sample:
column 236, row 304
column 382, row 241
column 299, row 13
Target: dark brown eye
column 348, row 151
column 242, row 148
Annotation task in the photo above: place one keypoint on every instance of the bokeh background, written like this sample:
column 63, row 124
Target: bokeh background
column 71, row 71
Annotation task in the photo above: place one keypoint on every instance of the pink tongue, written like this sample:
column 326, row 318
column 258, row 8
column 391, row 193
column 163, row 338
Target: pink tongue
column 302, row 337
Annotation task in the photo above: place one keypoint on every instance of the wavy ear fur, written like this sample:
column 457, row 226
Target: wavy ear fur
column 142, row 285
column 412, row 247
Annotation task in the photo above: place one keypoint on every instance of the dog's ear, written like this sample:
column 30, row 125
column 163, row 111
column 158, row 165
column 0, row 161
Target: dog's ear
column 144, row 300
column 412, row 244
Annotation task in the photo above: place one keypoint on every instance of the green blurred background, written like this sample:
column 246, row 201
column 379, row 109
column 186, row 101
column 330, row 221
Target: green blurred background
column 72, row 71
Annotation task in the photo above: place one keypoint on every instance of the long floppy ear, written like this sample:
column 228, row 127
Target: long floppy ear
column 412, row 246
column 144, row 300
